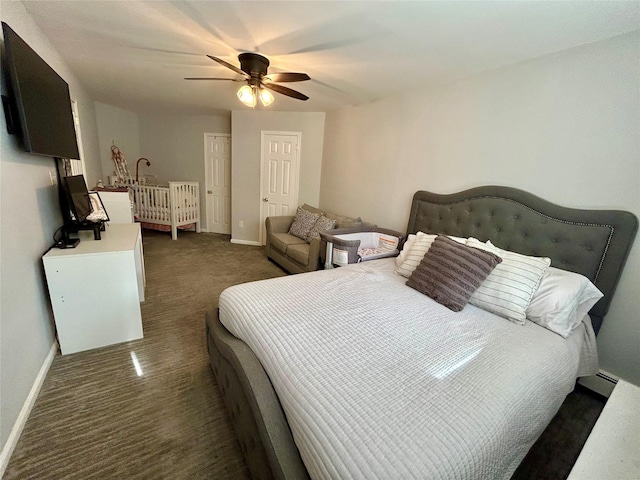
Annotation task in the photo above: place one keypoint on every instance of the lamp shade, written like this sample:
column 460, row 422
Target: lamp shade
column 265, row 97
column 247, row 96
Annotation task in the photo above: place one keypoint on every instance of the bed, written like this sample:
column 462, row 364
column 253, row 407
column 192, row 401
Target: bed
column 349, row 373
column 166, row 207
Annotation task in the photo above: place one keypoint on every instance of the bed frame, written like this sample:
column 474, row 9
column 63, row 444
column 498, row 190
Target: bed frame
column 175, row 205
column 594, row 243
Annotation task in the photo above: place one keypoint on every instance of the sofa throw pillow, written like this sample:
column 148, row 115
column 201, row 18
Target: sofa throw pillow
column 323, row 223
column 510, row 287
column 450, row 272
column 303, row 222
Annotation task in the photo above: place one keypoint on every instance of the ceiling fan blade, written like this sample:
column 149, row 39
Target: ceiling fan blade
column 285, row 91
column 228, row 65
column 210, row 78
column 287, row 77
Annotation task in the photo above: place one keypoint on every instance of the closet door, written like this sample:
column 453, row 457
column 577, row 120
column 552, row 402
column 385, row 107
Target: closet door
column 279, row 175
column 218, row 182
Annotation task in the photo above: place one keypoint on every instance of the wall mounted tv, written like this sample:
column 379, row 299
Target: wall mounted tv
column 39, row 105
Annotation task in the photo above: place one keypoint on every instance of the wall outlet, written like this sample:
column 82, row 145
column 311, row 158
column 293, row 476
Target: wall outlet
column 53, row 177
column 241, row 224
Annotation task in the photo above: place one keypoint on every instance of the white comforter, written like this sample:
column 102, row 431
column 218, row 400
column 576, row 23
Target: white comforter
column 379, row 381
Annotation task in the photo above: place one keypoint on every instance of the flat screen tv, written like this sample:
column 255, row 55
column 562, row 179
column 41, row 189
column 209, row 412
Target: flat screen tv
column 40, row 99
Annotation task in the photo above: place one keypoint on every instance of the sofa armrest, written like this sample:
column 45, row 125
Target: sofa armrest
column 280, row 224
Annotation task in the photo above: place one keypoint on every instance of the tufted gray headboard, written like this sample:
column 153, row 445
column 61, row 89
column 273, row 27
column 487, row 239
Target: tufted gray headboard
column 594, row 243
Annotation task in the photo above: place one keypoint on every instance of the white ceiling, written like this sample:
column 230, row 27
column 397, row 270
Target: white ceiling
column 134, row 54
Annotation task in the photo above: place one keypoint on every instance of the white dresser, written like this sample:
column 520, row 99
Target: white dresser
column 96, row 288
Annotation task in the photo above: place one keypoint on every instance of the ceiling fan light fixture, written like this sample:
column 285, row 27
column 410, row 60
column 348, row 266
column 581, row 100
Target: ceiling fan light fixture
column 253, row 70
column 247, row 96
column 265, row 97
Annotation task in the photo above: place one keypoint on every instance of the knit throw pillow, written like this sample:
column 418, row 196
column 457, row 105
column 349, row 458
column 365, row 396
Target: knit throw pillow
column 450, row 272
column 303, row 223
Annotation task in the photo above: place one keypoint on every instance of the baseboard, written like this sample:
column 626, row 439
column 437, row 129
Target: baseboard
column 206, row 230
column 602, row 382
column 246, row 242
column 21, row 421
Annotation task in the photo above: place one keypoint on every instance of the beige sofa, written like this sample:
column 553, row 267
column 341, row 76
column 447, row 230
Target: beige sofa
column 294, row 254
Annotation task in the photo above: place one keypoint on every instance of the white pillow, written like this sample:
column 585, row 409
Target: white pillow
column 405, row 249
column 509, row 288
column 562, row 300
column 416, row 252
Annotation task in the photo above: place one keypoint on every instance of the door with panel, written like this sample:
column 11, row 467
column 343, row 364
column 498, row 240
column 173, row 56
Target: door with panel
column 218, row 182
column 279, row 176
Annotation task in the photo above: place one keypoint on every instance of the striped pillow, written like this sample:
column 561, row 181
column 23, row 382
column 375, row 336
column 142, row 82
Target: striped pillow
column 510, row 287
column 405, row 250
column 417, row 249
column 450, row 272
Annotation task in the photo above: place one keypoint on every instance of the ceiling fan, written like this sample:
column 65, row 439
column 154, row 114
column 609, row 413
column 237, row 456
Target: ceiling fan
column 253, row 69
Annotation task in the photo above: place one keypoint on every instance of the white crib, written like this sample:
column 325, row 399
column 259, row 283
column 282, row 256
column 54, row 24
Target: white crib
column 175, row 205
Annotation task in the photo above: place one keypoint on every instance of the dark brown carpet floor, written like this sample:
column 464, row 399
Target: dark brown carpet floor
column 96, row 418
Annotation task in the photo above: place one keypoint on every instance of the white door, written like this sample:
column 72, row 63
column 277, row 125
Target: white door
column 279, row 175
column 217, row 166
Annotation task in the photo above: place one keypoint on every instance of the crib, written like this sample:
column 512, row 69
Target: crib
column 157, row 206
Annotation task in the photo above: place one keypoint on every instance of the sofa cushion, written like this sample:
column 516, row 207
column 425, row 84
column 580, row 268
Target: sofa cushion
column 322, row 224
column 281, row 241
column 311, row 209
column 344, row 222
column 303, row 222
column 299, row 252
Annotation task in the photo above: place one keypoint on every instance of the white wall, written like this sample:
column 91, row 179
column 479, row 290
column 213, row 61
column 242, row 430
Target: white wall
column 119, row 127
column 247, row 126
column 564, row 127
column 30, row 215
column 174, row 144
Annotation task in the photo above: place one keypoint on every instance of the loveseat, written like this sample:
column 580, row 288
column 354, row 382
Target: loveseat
column 294, row 251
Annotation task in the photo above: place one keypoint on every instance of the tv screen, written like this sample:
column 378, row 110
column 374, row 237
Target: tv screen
column 77, row 197
column 41, row 100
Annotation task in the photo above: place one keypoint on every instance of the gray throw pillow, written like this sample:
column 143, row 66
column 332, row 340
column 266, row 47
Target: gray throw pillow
column 450, row 272
column 303, row 222
column 323, row 223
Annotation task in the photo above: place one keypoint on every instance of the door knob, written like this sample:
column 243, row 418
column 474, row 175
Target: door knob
column 265, row 199
column 209, row 192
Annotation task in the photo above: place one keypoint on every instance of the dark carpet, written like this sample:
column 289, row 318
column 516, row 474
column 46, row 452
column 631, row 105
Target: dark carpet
column 96, row 418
